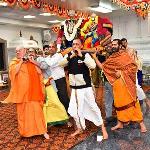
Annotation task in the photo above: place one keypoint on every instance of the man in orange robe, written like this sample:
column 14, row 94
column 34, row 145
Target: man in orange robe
column 27, row 92
column 120, row 71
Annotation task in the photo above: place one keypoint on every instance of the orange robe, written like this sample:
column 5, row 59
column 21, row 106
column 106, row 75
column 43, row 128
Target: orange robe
column 124, row 88
column 27, row 91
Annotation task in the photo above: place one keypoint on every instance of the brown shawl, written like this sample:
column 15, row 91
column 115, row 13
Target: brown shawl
column 121, row 61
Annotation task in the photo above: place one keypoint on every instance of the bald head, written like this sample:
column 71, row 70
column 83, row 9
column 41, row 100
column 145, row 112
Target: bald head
column 20, row 52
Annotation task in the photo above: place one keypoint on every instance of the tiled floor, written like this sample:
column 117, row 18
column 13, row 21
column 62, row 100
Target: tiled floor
column 59, row 136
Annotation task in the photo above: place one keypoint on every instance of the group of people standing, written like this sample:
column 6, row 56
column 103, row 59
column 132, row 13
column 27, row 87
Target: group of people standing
column 39, row 88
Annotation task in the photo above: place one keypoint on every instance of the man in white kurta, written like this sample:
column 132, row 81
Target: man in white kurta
column 58, row 74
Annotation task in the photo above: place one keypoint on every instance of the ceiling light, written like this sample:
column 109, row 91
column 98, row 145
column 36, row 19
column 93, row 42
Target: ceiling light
column 46, row 14
column 103, row 8
column 2, row 3
column 54, row 21
column 29, row 16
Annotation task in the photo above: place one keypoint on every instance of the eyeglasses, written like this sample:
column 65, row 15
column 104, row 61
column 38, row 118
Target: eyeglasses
column 30, row 51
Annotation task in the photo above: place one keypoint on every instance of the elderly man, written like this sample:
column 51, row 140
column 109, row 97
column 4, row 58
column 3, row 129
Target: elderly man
column 27, row 92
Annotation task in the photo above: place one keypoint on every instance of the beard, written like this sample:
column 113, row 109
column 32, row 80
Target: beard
column 115, row 49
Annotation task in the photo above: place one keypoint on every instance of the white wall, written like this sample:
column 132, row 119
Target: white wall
column 11, row 32
column 135, row 29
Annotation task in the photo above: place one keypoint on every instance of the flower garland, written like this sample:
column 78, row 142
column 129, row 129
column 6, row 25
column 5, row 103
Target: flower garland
column 11, row 2
column 24, row 4
column 95, row 31
column 47, row 7
column 71, row 36
column 36, row 3
column 55, row 28
column 141, row 7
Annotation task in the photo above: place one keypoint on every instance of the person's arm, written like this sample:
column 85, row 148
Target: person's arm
column 66, row 59
column 89, row 61
column 14, row 68
column 43, row 65
column 34, row 62
column 64, row 62
column 97, row 61
column 54, row 61
column 18, row 66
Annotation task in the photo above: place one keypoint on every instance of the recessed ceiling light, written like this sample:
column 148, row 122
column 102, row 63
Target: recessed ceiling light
column 104, row 8
column 101, row 9
column 46, row 14
column 3, row 3
column 54, row 21
column 29, row 16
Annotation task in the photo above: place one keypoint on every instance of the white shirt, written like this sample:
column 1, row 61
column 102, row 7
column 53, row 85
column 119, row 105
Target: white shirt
column 56, row 70
column 139, row 63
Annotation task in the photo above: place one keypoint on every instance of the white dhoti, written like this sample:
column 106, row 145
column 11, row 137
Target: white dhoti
column 83, row 106
column 140, row 93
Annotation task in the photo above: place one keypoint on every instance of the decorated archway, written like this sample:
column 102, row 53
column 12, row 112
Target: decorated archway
column 46, row 6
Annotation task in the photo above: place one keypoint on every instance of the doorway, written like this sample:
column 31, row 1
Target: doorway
column 3, row 56
column 2, row 63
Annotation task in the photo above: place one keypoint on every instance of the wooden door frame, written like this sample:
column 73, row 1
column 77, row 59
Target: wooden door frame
column 5, row 57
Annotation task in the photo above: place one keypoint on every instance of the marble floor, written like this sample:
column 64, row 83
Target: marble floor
column 128, row 138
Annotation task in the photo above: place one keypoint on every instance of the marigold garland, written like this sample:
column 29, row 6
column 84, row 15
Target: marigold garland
column 55, row 28
column 94, row 31
column 11, row 2
column 141, row 7
column 51, row 8
column 25, row 4
column 36, row 3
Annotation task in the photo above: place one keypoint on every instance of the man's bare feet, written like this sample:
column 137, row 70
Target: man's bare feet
column 147, row 101
column 105, row 134
column 77, row 132
column 46, row 136
column 69, row 124
column 118, row 126
column 126, row 124
column 143, row 127
column 3, row 102
column 143, row 130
